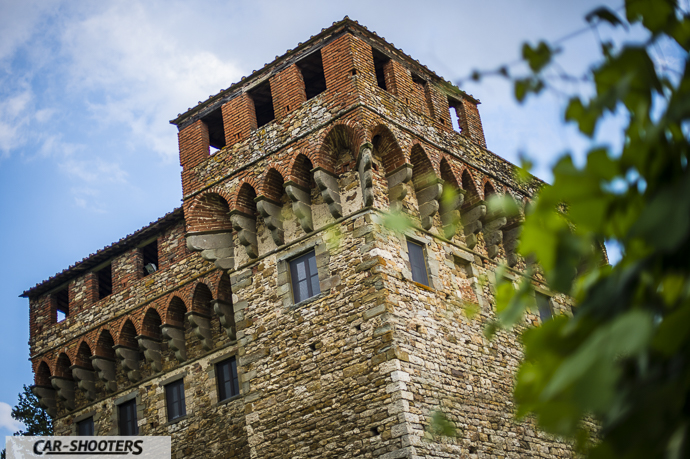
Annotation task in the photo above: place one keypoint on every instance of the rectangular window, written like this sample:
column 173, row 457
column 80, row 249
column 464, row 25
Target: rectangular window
column 150, row 255
column 127, row 418
column 174, row 397
column 85, row 427
column 105, row 282
column 455, row 110
column 312, row 74
column 305, row 277
column 417, row 263
column 380, row 61
column 62, row 304
column 226, row 375
column 263, row 103
column 544, row 306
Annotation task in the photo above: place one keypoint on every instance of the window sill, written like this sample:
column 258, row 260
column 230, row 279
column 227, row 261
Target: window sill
column 176, row 420
column 309, row 300
column 228, row 400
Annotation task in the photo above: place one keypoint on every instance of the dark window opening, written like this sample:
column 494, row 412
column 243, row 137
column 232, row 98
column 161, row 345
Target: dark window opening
column 127, row 418
column 263, row 103
column 150, row 255
column 216, row 129
column 417, row 263
column 174, row 397
column 305, row 277
column 423, row 90
column 226, row 374
column 85, row 427
column 544, row 306
column 454, row 107
column 380, row 60
column 312, row 73
column 105, row 282
column 62, row 304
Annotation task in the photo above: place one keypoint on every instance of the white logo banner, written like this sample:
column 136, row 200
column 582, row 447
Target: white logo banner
column 88, row 447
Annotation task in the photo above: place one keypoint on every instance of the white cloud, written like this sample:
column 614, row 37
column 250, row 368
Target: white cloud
column 15, row 114
column 93, row 170
column 6, row 420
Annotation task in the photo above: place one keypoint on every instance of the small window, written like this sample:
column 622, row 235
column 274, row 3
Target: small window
column 312, row 74
column 454, row 107
column 216, row 129
column 85, row 427
column 417, row 263
column 174, row 397
column 127, row 418
column 62, row 304
column 305, row 277
column 226, row 375
column 263, row 103
column 105, row 282
column 150, row 255
column 380, row 61
column 544, row 306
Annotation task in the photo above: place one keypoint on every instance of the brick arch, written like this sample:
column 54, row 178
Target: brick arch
column 209, row 212
column 127, row 335
column 42, row 374
column 423, row 171
column 243, row 199
column 202, row 298
column 175, row 311
column 272, row 183
column 83, row 356
column 488, row 188
column 342, row 136
column 62, row 364
column 224, row 289
column 300, row 170
column 104, row 344
column 447, row 173
column 469, row 185
column 386, row 145
column 151, row 323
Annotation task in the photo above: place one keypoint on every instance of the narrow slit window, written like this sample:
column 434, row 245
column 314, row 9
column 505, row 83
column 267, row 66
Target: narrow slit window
column 105, row 282
column 417, row 263
column 380, row 61
column 544, row 306
column 263, row 103
column 305, row 277
column 226, row 375
column 312, row 74
column 85, row 427
column 454, row 106
column 62, row 304
column 150, row 255
column 127, row 418
column 174, row 397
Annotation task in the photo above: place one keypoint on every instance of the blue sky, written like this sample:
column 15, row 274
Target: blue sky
column 87, row 155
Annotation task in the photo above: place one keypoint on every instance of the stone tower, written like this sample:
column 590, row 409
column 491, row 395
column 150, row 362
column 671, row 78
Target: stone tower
column 276, row 314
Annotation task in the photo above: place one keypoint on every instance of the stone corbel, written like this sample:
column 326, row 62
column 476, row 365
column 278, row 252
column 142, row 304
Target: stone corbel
column 493, row 236
column 201, row 326
column 328, row 185
column 450, row 212
column 175, row 338
column 46, row 398
column 511, row 239
column 301, row 205
column 129, row 361
column 396, row 188
column 105, row 370
column 152, row 351
column 472, row 223
column 366, row 176
column 64, row 388
column 215, row 247
column 86, row 380
column 427, row 200
column 226, row 313
column 245, row 226
column 270, row 211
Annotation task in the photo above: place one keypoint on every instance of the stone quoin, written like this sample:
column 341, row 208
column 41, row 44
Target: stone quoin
column 274, row 314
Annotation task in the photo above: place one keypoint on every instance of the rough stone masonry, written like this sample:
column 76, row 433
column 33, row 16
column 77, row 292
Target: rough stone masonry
column 279, row 263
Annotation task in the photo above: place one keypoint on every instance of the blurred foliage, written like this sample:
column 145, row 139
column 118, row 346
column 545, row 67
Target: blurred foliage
column 623, row 358
column 441, row 425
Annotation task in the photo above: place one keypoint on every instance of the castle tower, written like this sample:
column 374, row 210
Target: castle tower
column 277, row 313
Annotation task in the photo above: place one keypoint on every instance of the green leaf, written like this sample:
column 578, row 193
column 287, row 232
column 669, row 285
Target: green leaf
column 605, row 14
column 537, row 58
